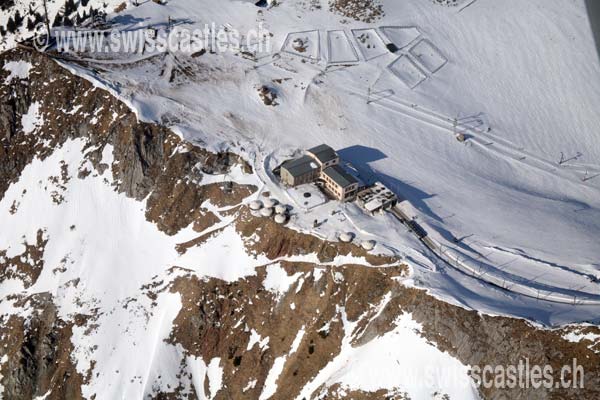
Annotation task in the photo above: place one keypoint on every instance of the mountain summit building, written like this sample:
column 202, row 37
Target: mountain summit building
column 321, row 164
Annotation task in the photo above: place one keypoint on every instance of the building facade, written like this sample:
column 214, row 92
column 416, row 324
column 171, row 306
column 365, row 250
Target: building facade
column 339, row 184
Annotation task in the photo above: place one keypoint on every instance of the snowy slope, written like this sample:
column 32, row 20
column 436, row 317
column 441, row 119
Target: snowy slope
column 522, row 74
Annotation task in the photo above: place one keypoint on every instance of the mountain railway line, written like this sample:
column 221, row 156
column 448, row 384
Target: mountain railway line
column 496, row 281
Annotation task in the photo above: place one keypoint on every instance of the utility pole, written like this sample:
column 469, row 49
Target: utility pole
column 47, row 19
column 455, row 125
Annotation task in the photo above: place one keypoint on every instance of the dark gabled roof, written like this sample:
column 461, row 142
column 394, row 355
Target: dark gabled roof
column 323, row 153
column 340, row 176
column 300, row 166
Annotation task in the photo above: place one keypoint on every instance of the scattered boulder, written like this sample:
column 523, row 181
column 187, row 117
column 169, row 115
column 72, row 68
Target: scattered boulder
column 268, row 96
column 300, row 45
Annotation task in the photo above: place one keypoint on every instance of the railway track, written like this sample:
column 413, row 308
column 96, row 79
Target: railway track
column 452, row 260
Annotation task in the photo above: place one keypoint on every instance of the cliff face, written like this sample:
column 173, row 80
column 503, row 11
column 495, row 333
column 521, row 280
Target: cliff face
column 281, row 319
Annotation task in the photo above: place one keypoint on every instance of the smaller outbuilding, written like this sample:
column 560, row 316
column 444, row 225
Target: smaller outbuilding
column 270, row 202
column 280, row 219
column 377, row 198
column 281, row 209
column 368, row 245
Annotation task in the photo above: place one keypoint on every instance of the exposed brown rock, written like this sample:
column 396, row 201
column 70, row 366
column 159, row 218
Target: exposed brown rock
column 209, row 326
column 146, row 153
column 337, row 392
column 276, row 241
column 359, row 10
column 39, row 355
column 26, row 266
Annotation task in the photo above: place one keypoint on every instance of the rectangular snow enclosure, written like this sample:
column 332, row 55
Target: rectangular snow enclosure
column 407, row 71
column 340, row 49
column 304, row 44
column 400, row 36
column 428, row 55
column 369, row 43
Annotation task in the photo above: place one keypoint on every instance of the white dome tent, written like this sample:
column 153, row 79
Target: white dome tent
column 280, row 219
column 266, row 212
column 368, row 244
column 280, row 209
column 269, row 203
column 346, row 237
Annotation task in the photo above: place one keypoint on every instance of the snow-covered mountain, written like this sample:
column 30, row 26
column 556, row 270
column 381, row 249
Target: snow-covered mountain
column 131, row 265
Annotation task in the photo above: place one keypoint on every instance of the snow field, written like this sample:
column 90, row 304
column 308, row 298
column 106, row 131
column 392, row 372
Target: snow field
column 17, row 69
column 32, row 119
column 404, row 359
column 496, row 190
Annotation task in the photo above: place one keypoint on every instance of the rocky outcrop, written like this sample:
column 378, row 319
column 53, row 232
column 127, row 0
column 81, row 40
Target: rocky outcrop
column 38, row 358
column 147, row 162
column 26, row 266
column 359, row 10
column 216, row 315
column 149, row 158
column 276, row 241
